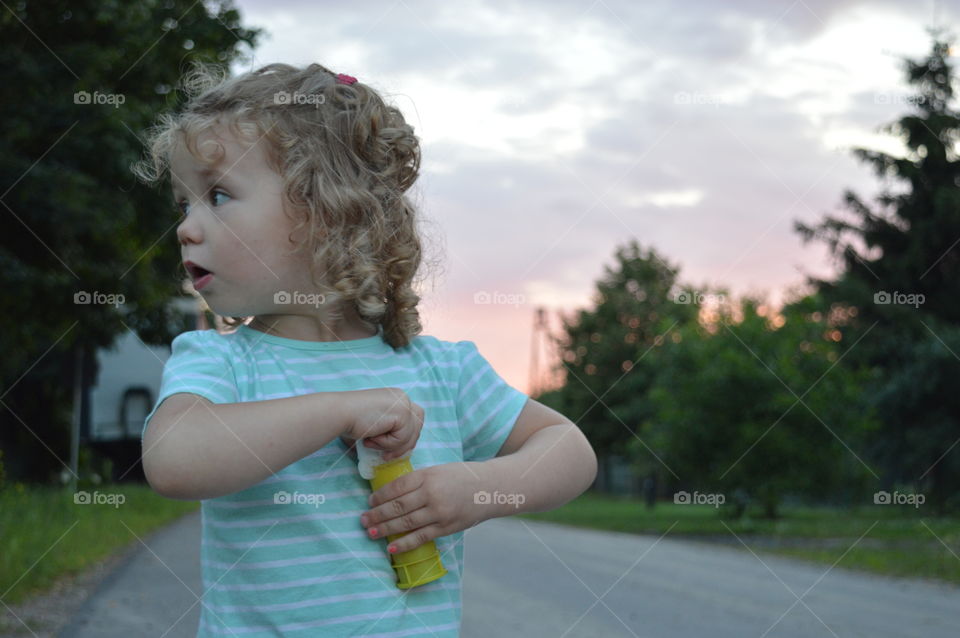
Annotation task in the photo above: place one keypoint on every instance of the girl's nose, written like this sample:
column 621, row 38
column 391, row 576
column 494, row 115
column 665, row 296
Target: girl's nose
column 188, row 232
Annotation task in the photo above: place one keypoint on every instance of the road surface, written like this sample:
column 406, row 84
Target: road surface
column 542, row 580
column 537, row 579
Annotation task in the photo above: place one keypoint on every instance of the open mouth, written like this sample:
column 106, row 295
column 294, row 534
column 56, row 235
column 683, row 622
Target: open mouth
column 200, row 275
column 195, row 271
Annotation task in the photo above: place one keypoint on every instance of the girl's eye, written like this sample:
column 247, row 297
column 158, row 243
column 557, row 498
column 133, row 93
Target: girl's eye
column 183, row 207
column 213, row 196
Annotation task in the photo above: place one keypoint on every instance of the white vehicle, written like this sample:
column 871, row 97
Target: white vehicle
column 126, row 385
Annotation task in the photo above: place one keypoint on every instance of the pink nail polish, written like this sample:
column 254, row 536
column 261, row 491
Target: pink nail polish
column 392, row 549
column 373, row 532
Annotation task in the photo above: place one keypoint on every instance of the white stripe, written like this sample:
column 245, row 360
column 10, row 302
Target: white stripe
column 218, row 503
column 433, row 629
column 289, row 584
column 313, row 602
column 322, row 356
column 247, row 523
column 442, row 361
column 498, row 435
column 329, row 600
column 182, row 360
column 206, row 377
column 286, row 562
column 190, row 365
column 468, row 414
column 362, row 380
column 368, row 574
column 200, row 342
column 476, row 377
column 403, row 386
column 449, row 558
column 339, row 374
column 264, row 377
column 316, row 559
column 313, row 476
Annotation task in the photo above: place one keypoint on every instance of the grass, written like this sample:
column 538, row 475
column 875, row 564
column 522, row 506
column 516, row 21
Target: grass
column 896, row 541
column 46, row 535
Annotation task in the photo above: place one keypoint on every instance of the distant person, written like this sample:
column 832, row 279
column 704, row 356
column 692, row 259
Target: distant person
column 296, row 230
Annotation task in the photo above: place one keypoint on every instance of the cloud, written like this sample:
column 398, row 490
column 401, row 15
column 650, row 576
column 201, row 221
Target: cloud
column 553, row 132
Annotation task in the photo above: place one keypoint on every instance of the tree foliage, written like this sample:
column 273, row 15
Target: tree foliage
column 755, row 407
column 605, row 350
column 81, row 82
column 899, row 264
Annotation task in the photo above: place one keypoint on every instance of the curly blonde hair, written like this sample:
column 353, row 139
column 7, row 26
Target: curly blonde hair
column 347, row 159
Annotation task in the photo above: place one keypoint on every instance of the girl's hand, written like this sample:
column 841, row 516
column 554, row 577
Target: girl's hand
column 386, row 417
column 431, row 502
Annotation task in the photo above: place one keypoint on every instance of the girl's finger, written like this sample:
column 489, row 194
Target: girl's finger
column 414, row 539
column 388, row 440
column 387, row 522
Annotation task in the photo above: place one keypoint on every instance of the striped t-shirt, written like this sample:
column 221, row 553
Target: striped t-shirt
column 305, row 566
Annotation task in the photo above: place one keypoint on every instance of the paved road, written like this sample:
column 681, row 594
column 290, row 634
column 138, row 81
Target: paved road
column 537, row 580
column 154, row 590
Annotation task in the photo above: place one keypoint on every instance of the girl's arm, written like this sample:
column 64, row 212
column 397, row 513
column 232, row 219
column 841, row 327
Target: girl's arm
column 552, row 467
column 194, row 449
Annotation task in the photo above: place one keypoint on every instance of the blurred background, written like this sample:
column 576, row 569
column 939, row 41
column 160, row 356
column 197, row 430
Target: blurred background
column 720, row 237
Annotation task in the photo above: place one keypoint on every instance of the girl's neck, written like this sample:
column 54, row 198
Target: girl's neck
column 306, row 328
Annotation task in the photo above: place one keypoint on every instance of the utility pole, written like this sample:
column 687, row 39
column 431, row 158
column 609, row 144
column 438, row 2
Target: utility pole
column 539, row 335
column 75, row 417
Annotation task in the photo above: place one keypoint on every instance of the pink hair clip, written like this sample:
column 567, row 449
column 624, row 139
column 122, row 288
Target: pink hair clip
column 343, row 78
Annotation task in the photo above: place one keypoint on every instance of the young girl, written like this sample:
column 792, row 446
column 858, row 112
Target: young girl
column 296, row 226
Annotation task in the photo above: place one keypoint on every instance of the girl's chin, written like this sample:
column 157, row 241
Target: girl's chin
column 227, row 311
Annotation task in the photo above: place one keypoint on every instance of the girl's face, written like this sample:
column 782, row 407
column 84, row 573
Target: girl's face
column 235, row 228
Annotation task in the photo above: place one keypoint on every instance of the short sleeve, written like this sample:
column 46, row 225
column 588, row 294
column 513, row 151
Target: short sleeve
column 199, row 364
column 487, row 406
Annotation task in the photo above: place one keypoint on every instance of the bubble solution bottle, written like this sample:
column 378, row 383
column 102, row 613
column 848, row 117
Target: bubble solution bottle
column 417, row 566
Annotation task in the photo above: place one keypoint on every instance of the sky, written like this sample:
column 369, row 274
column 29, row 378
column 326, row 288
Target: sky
column 554, row 132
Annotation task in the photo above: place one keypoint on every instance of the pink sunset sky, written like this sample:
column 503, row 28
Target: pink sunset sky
column 554, row 132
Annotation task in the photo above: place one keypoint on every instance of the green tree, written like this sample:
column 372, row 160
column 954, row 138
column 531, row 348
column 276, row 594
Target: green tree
column 81, row 80
column 753, row 406
column 605, row 349
column 898, row 267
